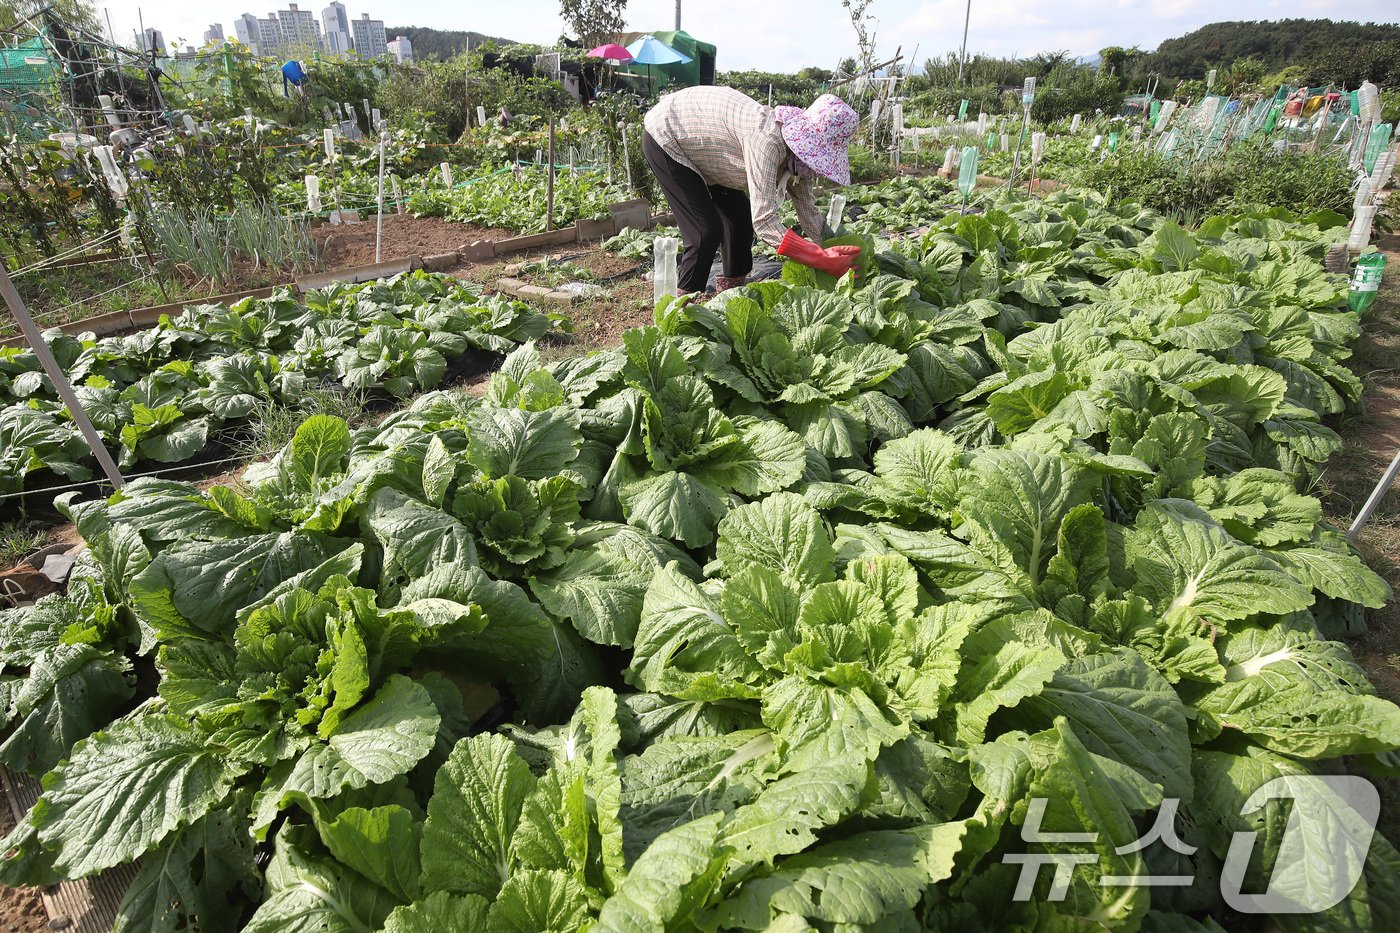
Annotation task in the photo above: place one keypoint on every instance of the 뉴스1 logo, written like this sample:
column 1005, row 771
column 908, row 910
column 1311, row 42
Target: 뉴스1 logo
column 1315, row 866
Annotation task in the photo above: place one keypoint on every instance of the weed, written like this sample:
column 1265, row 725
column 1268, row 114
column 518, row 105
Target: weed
column 272, row 425
column 19, row 537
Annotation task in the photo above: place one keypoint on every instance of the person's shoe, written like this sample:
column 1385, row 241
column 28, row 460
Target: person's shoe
column 724, row 283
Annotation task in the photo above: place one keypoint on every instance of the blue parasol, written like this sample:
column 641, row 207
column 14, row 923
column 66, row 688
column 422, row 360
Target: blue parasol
column 649, row 50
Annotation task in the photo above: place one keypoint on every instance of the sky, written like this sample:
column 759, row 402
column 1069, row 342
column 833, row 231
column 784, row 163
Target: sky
column 780, row 35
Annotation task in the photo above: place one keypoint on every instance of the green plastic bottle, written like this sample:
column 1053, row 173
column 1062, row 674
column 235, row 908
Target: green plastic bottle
column 1366, row 282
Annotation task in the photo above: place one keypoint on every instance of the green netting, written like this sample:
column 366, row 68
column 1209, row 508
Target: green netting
column 27, row 79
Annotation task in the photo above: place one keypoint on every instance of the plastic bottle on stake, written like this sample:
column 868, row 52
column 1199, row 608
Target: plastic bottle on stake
column 835, row 211
column 1361, row 227
column 328, row 140
column 313, row 194
column 663, row 276
column 1363, row 195
column 1366, row 282
column 967, row 172
column 1376, row 144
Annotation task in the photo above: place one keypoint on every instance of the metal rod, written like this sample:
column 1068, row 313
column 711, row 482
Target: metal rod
column 1374, row 501
column 379, row 216
column 549, row 191
column 627, row 158
column 61, row 385
column 962, row 56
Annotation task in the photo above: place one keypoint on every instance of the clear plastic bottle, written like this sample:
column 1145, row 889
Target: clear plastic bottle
column 835, row 211
column 663, row 276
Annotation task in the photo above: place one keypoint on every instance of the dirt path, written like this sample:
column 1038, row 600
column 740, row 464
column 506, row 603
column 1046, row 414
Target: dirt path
column 1370, row 440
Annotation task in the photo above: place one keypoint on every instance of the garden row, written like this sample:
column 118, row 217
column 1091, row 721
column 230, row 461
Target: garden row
column 161, row 395
column 796, row 602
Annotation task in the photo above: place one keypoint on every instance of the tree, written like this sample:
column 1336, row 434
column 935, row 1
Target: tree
column 1244, row 74
column 73, row 12
column 1115, row 60
column 594, row 22
column 864, row 25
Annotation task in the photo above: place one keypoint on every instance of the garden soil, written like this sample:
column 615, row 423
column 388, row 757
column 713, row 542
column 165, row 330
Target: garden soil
column 345, row 245
column 21, row 909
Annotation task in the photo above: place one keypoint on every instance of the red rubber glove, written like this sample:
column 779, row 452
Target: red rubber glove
column 835, row 261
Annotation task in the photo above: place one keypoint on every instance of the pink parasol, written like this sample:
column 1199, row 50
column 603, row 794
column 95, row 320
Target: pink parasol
column 611, row 52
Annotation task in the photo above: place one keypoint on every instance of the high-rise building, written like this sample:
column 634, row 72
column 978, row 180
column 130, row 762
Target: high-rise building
column 245, row 28
column 338, row 43
column 336, row 23
column 214, row 34
column 401, row 49
column 270, row 39
column 299, row 28
column 153, row 41
column 369, row 36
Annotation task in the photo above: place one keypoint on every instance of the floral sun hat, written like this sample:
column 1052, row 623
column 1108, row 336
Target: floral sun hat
column 819, row 135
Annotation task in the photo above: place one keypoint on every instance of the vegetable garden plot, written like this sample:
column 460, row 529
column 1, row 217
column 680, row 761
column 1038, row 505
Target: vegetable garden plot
column 799, row 599
column 518, row 199
column 161, row 395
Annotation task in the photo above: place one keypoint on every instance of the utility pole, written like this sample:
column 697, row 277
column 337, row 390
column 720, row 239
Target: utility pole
column 962, row 56
column 678, row 15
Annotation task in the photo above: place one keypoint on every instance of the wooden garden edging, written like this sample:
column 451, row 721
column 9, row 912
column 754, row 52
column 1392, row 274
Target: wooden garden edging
column 636, row 213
